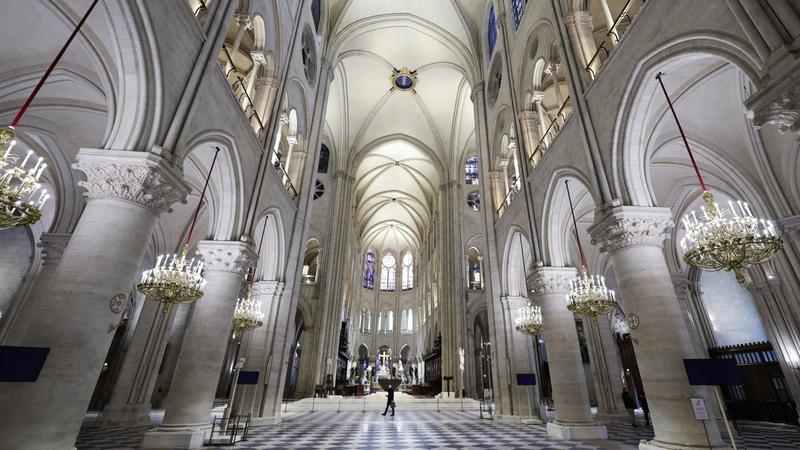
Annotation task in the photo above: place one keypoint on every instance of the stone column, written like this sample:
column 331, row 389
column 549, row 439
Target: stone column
column 266, row 88
column 52, row 246
column 255, row 349
column 191, row 396
column 243, row 20
column 633, row 238
column 496, row 181
column 552, row 70
column 550, row 286
column 70, row 314
column 581, row 33
column 529, row 128
column 544, row 122
column 130, row 400
column 606, row 370
column 521, row 359
column 506, row 186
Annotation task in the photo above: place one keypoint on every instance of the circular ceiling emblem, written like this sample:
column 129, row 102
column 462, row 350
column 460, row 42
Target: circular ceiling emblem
column 403, row 79
column 117, row 303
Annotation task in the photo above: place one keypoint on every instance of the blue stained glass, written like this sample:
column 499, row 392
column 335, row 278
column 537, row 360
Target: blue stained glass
column 492, row 31
column 471, row 170
column 518, row 7
column 404, row 82
column 316, row 12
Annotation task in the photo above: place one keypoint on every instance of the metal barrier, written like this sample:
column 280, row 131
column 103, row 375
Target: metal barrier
column 228, row 431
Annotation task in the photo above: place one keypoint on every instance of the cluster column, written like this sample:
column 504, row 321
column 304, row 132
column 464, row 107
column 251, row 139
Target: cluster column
column 191, row 395
column 550, row 286
column 606, row 369
column 69, row 313
column 256, row 348
column 633, row 238
column 521, row 359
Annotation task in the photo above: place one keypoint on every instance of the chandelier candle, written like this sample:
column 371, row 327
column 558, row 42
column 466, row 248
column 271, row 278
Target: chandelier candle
column 21, row 194
column 723, row 238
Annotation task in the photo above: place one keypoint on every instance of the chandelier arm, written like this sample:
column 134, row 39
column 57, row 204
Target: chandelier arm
column 202, row 196
column 52, row 66
column 683, row 135
column 575, row 224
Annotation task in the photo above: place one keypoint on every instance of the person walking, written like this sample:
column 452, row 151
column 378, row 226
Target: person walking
column 630, row 405
column 645, row 408
column 389, row 400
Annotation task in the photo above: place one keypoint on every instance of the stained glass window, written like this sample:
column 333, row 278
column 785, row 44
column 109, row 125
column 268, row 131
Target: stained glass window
column 316, row 11
column 492, row 31
column 369, row 270
column 324, row 156
column 387, row 272
column 471, row 170
column 408, row 271
column 518, row 8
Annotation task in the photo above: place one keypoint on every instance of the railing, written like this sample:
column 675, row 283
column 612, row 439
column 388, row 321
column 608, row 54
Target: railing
column 285, row 180
column 614, row 35
column 236, row 83
column 550, row 133
column 228, row 431
column 386, row 332
column 512, row 193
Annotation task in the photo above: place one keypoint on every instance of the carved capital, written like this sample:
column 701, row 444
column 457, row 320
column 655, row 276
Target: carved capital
column 267, row 289
column 226, row 256
column 243, row 20
column 258, row 57
column 784, row 112
column 528, row 117
column 53, row 245
column 630, row 226
column 477, row 89
column 551, row 68
column 681, row 284
column 579, row 19
column 537, row 96
column 551, row 280
column 138, row 177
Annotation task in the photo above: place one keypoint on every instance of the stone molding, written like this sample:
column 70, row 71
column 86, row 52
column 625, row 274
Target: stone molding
column 267, row 288
column 143, row 178
column 790, row 226
column 551, row 280
column 784, row 113
column 53, row 245
column 527, row 116
column 226, row 256
column 631, row 226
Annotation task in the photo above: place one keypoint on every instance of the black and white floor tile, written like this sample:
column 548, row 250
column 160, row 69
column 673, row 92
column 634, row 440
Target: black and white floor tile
column 425, row 430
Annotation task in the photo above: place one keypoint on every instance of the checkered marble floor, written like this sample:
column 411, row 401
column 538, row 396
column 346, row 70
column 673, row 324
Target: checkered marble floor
column 424, row 430
column 407, row 430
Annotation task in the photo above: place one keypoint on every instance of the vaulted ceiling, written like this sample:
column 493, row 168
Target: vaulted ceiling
column 401, row 144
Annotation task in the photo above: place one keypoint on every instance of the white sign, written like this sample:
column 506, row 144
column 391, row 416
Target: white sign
column 699, row 407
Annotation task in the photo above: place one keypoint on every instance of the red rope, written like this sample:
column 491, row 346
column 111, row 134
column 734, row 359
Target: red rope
column 52, row 66
column 575, row 224
column 202, row 196
column 683, row 135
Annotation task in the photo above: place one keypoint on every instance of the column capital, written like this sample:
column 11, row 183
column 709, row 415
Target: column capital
column 527, row 115
column 790, row 226
column 513, row 302
column 262, row 82
column 258, row 57
column 551, row 280
column 551, row 68
column 783, row 111
column 267, row 288
column 226, row 256
column 579, row 18
column 477, row 89
column 143, row 178
column 537, row 96
column 631, row 226
column 243, row 20
column 681, row 283
column 53, row 245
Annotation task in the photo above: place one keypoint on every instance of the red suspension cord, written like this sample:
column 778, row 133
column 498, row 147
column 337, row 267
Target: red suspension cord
column 202, row 196
column 683, row 135
column 52, row 66
column 575, row 224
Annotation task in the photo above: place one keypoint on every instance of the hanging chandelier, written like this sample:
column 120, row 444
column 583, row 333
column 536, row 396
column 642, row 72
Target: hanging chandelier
column 175, row 278
column 530, row 320
column 247, row 315
column 21, row 194
column 588, row 295
column 720, row 238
